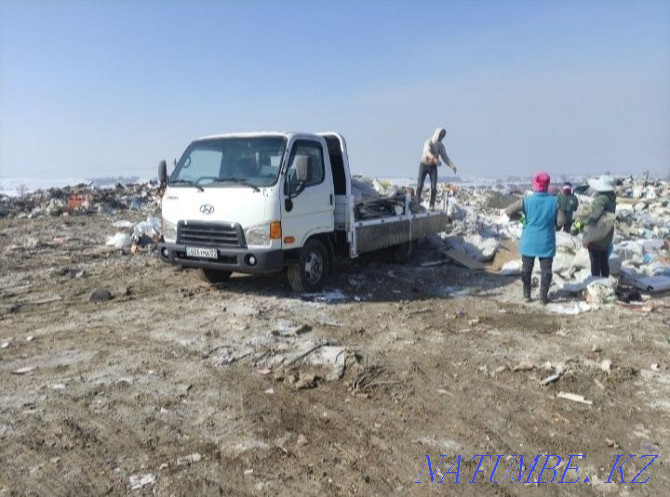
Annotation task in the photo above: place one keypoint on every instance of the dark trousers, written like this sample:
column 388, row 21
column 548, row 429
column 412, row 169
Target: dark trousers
column 600, row 265
column 431, row 170
column 527, row 264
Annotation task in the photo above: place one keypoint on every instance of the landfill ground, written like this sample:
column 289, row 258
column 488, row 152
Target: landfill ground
column 179, row 387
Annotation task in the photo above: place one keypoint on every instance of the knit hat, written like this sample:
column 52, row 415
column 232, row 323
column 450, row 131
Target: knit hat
column 541, row 182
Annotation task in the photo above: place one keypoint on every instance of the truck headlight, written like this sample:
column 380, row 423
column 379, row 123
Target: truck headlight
column 258, row 236
column 169, row 231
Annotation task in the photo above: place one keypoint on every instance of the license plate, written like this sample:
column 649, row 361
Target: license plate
column 206, row 253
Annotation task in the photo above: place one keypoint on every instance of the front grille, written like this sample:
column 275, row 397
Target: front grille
column 210, row 234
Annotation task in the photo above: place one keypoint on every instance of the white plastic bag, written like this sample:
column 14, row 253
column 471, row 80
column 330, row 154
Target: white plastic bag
column 120, row 240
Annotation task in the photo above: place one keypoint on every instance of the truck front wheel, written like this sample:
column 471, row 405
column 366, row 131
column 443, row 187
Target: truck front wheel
column 311, row 268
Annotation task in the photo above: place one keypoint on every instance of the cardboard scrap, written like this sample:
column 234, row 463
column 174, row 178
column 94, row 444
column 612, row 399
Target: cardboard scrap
column 464, row 260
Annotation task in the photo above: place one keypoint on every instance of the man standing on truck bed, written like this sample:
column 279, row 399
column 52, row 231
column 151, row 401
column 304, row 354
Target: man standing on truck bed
column 433, row 150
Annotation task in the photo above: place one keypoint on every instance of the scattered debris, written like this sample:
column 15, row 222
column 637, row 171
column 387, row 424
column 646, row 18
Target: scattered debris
column 511, row 268
column 523, row 366
column 100, row 295
column 574, row 398
column 122, row 224
column 568, row 309
column 25, row 370
column 627, row 294
column 550, row 379
column 651, row 284
column 302, row 440
column 366, row 378
column 601, row 291
column 327, row 297
column 119, row 241
column 611, row 443
column 139, row 481
column 332, row 357
column 189, row 459
column 464, row 260
column 286, row 331
column 305, row 381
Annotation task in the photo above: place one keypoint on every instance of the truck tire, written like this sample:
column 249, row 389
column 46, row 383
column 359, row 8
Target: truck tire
column 404, row 252
column 215, row 275
column 311, row 269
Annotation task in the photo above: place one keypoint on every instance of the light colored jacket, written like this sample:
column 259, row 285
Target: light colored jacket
column 433, row 151
column 603, row 202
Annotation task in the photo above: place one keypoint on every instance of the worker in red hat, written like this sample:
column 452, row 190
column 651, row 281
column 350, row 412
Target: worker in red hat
column 538, row 239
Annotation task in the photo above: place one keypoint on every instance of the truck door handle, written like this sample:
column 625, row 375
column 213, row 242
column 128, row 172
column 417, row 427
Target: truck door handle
column 330, row 197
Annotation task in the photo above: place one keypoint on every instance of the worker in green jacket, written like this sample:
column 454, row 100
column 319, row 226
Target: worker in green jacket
column 604, row 201
column 568, row 203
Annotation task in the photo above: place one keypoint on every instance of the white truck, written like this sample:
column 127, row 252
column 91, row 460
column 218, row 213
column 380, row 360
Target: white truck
column 273, row 201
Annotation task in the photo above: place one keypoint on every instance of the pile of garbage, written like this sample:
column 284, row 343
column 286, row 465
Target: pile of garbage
column 82, row 199
column 478, row 227
column 640, row 256
column 374, row 198
column 643, row 209
column 145, row 234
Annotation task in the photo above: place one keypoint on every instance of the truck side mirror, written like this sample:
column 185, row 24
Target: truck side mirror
column 302, row 174
column 303, row 168
column 162, row 172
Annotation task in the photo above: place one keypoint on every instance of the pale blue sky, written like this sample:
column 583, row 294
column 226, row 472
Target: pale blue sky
column 93, row 88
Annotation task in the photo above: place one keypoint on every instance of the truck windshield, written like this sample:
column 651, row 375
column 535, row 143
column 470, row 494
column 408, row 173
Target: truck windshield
column 225, row 162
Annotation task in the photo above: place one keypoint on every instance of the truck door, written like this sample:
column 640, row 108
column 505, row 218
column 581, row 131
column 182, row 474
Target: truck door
column 309, row 207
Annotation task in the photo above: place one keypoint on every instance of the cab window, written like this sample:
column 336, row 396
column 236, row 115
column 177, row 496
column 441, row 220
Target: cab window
column 314, row 151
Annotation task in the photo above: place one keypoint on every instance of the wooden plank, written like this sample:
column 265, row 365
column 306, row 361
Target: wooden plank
column 464, row 260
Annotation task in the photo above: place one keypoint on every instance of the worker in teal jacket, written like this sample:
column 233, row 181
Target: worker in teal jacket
column 538, row 238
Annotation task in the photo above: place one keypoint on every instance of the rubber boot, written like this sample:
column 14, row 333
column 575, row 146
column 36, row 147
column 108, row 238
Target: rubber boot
column 526, row 280
column 544, row 288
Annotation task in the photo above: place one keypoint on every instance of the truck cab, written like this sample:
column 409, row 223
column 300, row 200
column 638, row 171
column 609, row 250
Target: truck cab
column 257, row 203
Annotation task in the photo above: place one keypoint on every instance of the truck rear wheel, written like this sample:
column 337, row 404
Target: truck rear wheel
column 311, row 269
column 215, row 275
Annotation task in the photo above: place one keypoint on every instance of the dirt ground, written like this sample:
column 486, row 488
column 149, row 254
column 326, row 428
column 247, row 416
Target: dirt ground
column 179, row 387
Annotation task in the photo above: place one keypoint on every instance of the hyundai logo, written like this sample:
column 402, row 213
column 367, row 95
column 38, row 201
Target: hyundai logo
column 206, row 208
